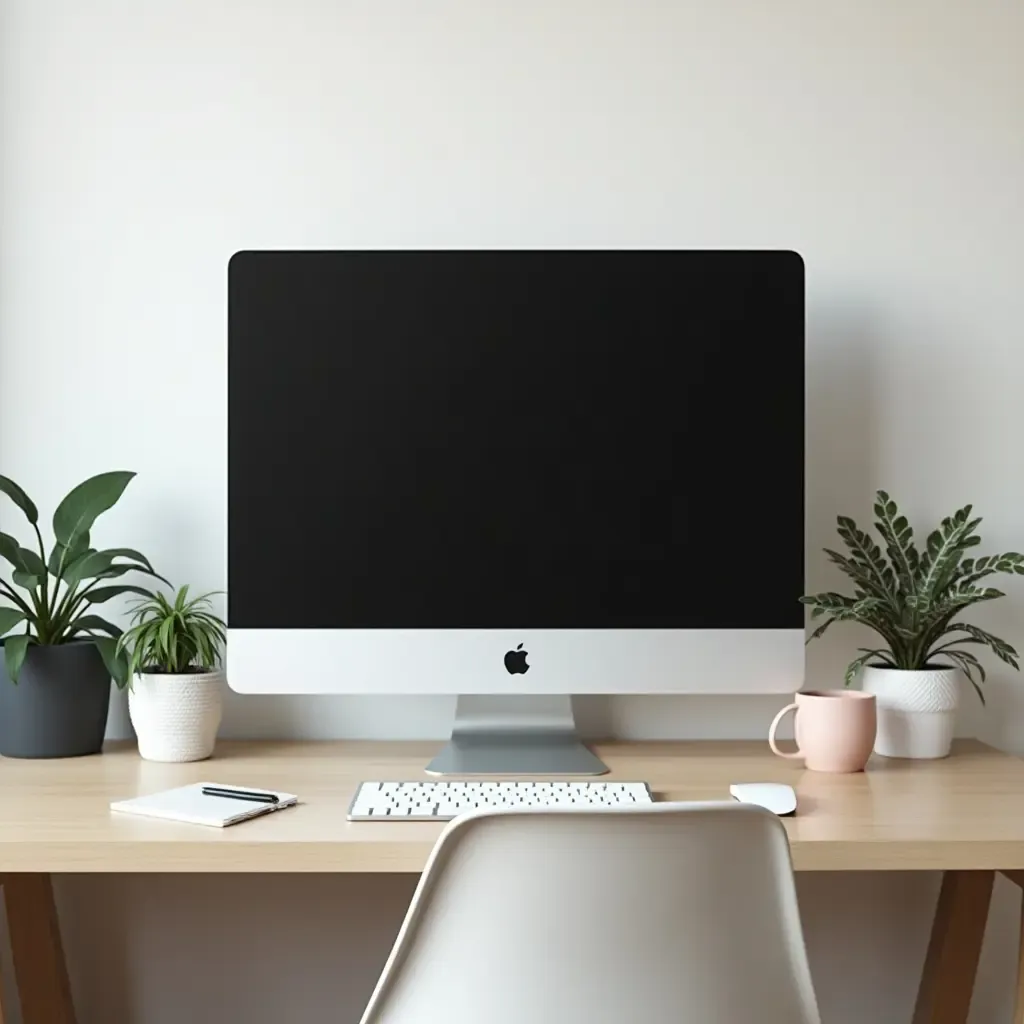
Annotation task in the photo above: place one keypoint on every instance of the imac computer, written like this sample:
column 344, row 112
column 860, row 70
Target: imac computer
column 515, row 476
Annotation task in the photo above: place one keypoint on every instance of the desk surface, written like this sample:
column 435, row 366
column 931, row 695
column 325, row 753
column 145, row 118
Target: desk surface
column 964, row 812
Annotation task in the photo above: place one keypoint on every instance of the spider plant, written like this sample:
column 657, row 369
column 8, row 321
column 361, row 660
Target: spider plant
column 173, row 636
column 914, row 599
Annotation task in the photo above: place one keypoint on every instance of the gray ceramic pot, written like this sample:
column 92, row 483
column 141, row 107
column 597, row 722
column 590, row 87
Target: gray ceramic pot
column 59, row 706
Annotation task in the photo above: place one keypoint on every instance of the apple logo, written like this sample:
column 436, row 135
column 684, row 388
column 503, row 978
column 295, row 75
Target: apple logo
column 515, row 661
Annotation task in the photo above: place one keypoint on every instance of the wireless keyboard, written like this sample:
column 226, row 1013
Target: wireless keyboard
column 442, row 801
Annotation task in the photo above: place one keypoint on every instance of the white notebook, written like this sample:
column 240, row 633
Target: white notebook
column 190, row 804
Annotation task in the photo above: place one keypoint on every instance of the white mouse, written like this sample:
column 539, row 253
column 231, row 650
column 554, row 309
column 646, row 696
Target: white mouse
column 773, row 796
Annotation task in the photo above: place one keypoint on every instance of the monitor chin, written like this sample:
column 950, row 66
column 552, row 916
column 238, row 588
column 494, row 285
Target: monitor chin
column 515, row 662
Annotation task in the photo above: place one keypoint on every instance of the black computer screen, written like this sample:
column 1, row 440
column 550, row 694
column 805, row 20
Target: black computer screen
column 505, row 439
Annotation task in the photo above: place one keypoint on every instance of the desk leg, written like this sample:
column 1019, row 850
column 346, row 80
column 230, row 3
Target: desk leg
column 954, row 948
column 42, row 978
column 1018, row 1002
column 1017, row 877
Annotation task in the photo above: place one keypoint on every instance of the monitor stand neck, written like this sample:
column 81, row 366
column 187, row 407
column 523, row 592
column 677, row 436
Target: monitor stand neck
column 515, row 735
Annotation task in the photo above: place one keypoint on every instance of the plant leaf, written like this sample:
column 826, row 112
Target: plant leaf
column 100, row 565
column 114, row 659
column 25, row 580
column 1000, row 648
column 102, row 594
column 857, row 571
column 945, row 549
column 873, row 612
column 135, row 556
column 164, row 633
column 86, row 503
column 828, row 601
column 31, row 562
column 971, row 570
column 868, row 556
column 61, row 557
column 956, row 599
column 864, row 606
column 87, row 565
column 899, row 539
column 21, row 558
column 968, row 665
column 15, row 649
column 124, row 567
column 860, row 661
column 977, row 690
column 20, row 498
column 880, row 652
column 9, row 549
column 86, row 623
column 965, row 658
column 9, row 618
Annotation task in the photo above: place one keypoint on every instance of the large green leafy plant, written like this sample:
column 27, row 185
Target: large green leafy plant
column 913, row 599
column 173, row 636
column 51, row 596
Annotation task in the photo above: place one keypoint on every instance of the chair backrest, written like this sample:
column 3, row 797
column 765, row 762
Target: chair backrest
column 670, row 914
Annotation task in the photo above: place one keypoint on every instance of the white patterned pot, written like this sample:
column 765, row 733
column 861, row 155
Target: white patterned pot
column 176, row 717
column 916, row 710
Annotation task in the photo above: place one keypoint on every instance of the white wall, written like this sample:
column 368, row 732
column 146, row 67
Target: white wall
column 141, row 143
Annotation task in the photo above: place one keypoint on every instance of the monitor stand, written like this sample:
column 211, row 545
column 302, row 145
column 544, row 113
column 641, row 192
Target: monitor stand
column 515, row 735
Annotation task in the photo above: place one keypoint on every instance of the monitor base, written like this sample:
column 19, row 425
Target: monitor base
column 515, row 736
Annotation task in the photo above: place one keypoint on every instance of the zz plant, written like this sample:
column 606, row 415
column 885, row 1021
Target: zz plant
column 913, row 599
column 51, row 595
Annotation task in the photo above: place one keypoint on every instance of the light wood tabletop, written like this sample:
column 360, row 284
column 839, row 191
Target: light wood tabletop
column 965, row 812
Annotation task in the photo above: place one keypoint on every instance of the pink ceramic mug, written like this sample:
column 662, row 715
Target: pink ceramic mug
column 835, row 729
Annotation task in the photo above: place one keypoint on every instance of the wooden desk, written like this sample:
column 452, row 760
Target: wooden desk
column 963, row 816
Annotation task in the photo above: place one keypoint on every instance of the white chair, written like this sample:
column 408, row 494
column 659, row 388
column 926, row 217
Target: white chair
column 668, row 914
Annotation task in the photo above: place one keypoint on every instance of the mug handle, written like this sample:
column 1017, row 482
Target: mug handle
column 774, row 726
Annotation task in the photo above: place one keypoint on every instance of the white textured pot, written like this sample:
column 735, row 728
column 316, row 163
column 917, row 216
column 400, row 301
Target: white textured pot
column 916, row 710
column 176, row 717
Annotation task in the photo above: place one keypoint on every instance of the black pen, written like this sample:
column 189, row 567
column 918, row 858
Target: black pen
column 240, row 794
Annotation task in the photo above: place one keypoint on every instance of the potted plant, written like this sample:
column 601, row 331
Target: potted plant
column 914, row 601
column 174, row 656
column 57, row 666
